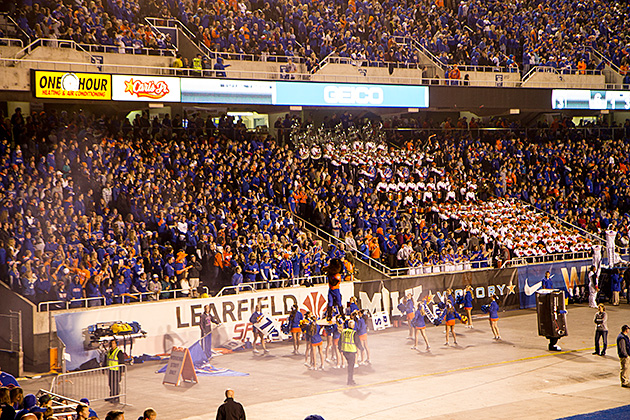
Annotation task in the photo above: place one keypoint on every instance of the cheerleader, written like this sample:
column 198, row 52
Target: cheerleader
column 255, row 318
column 450, row 315
column 468, row 305
column 316, row 346
column 361, row 330
column 406, row 307
column 493, row 310
column 295, row 318
column 351, row 306
column 419, row 325
column 329, row 353
column 305, row 327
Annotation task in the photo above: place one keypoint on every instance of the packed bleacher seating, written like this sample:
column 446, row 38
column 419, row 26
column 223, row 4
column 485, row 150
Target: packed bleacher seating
column 105, row 209
column 480, row 33
column 116, row 26
column 513, row 35
column 111, row 208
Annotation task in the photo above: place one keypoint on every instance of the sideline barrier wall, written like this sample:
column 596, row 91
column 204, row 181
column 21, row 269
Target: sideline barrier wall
column 176, row 322
column 565, row 276
column 385, row 295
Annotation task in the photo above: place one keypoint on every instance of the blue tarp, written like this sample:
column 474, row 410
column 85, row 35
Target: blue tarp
column 201, row 355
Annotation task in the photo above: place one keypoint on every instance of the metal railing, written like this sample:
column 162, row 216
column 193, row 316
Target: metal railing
column 447, row 267
column 591, row 236
column 271, row 284
column 11, row 42
column 62, row 406
column 266, row 75
column 17, row 30
column 541, row 68
column 547, row 258
column 13, row 341
column 394, row 272
column 100, row 48
column 104, row 383
column 358, row 62
column 52, row 43
column 91, row 48
column 156, row 23
column 270, row 58
column 101, row 301
column 417, row 45
column 70, row 304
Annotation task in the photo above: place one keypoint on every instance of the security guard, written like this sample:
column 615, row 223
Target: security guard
column 196, row 63
column 115, row 357
column 348, row 346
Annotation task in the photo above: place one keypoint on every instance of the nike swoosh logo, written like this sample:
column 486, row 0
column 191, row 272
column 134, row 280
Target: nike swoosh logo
column 530, row 290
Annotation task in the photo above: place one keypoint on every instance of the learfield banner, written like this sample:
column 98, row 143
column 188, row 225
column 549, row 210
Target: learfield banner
column 171, row 323
column 68, row 85
column 385, row 295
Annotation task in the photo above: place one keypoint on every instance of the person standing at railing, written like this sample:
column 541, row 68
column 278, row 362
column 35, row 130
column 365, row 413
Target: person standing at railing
column 454, row 74
column 93, row 290
column 251, row 269
column 76, row 292
column 120, row 289
column 237, row 278
column 581, row 66
column 196, row 65
column 60, row 294
column 114, row 358
column 219, row 68
column 155, row 287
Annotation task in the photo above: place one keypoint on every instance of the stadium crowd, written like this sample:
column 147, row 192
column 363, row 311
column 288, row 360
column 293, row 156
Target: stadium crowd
column 581, row 179
column 516, row 35
column 115, row 24
column 101, row 209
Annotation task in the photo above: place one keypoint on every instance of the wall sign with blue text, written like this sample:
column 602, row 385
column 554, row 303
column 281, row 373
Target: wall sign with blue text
column 226, row 91
column 350, row 94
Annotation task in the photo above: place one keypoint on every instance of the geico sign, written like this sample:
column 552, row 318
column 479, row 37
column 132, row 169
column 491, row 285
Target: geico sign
column 353, row 95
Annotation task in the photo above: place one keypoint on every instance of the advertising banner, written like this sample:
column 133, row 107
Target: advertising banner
column 377, row 296
column 225, row 91
column 146, row 88
column 351, row 94
column 590, row 99
column 564, row 275
column 228, row 91
column 169, row 323
column 64, row 85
